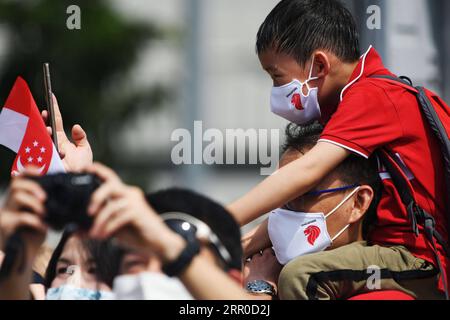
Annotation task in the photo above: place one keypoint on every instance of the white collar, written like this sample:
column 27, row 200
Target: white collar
column 363, row 57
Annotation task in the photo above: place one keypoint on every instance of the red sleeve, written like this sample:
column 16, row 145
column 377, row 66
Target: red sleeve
column 365, row 120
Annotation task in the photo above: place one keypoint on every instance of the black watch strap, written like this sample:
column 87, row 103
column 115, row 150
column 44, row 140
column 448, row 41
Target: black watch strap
column 174, row 268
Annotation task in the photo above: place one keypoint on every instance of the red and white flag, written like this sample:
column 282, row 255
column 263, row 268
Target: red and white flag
column 23, row 131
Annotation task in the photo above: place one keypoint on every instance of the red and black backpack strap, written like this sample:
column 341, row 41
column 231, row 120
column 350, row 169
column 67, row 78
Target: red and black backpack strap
column 436, row 126
column 434, row 121
column 416, row 214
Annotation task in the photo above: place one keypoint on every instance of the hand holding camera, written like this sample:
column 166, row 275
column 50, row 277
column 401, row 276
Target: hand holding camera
column 68, row 196
column 97, row 202
column 122, row 211
column 24, row 210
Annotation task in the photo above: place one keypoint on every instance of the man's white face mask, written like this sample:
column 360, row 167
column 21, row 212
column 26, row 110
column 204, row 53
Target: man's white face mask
column 149, row 286
column 294, row 234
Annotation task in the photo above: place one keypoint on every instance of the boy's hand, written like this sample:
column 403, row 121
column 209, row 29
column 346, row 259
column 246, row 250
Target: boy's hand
column 77, row 155
column 24, row 208
column 123, row 212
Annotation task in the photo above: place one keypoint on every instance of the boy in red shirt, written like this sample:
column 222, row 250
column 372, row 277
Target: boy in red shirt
column 310, row 48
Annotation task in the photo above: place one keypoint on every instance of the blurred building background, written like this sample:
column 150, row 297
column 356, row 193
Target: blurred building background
column 198, row 62
column 226, row 87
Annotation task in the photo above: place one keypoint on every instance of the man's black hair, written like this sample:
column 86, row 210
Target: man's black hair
column 353, row 170
column 214, row 215
column 106, row 256
column 299, row 27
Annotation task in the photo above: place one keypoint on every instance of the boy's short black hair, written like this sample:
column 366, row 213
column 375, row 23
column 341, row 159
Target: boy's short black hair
column 353, row 170
column 299, row 27
column 214, row 215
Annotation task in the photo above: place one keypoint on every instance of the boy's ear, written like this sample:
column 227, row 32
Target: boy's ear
column 362, row 200
column 322, row 64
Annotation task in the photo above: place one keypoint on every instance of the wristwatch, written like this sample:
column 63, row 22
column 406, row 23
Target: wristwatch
column 260, row 287
column 176, row 267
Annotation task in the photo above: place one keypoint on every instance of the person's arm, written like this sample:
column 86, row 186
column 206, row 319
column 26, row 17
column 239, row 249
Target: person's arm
column 207, row 282
column 256, row 240
column 17, row 285
column 204, row 280
column 288, row 182
column 122, row 212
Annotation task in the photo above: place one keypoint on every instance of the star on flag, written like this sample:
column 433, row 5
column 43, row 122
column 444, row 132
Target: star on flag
column 23, row 131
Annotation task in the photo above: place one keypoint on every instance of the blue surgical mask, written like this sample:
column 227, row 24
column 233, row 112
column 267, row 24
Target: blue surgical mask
column 68, row 292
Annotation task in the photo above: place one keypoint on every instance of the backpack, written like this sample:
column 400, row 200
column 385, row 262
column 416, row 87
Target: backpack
column 437, row 113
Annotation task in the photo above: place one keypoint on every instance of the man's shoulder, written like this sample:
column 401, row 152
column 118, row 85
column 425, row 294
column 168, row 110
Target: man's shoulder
column 324, row 258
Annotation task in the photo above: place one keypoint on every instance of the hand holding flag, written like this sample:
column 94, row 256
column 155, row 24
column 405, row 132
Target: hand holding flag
column 23, row 131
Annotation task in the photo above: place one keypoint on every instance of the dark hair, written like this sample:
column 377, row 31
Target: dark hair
column 299, row 27
column 106, row 255
column 218, row 219
column 353, row 170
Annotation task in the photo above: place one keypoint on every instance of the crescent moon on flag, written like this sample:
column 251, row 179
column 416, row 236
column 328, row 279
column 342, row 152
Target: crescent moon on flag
column 21, row 168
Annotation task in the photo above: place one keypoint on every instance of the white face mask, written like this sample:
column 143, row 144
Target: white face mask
column 295, row 234
column 149, row 286
column 69, row 292
column 290, row 103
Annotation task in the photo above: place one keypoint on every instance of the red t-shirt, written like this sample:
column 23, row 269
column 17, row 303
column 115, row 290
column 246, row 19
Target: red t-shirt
column 374, row 113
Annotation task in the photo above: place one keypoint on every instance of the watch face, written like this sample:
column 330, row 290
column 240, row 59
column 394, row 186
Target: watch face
column 260, row 286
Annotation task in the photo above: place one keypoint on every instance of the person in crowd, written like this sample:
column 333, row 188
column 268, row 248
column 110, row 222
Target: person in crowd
column 320, row 236
column 310, row 49
column 82, row 268
column 176, row 231
column 207, row 220
column 79, row 268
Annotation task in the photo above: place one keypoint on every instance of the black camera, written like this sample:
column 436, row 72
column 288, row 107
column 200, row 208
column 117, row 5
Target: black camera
column 68, row 196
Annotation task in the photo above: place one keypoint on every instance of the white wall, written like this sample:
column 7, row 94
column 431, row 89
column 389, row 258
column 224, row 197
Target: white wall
column 409, row 42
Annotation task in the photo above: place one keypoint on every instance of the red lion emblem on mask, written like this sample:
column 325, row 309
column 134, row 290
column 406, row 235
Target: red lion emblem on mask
column 297, row 101
column 312, row 233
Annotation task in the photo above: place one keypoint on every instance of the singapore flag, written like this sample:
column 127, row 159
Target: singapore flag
column 23, row 131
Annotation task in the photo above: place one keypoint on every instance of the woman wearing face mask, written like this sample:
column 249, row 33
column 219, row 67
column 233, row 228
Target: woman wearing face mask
column 78, row 269
column 82, row 269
